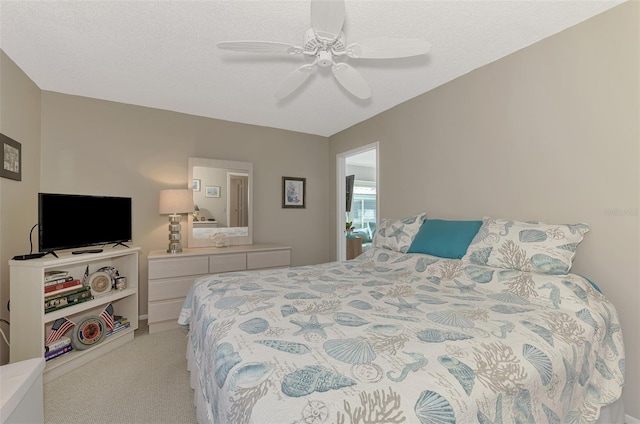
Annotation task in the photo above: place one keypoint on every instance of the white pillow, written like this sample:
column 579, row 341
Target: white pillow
column 397, row 234
column 526, row 246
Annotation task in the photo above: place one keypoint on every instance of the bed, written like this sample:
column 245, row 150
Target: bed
column 401, row 337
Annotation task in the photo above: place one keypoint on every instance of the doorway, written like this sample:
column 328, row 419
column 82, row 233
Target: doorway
column 238, row 215
column 361, row 205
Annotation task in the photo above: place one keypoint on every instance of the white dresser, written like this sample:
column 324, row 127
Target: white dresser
column 171, row 275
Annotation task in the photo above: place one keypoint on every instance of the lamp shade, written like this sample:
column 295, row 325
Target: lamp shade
column 176, row 201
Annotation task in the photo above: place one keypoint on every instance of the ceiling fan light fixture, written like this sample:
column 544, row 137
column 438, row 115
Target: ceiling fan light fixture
column 325, row 58
column 325, row 41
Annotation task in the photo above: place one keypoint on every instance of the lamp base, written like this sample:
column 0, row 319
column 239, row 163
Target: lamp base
column 174, row 247
column 174, row 234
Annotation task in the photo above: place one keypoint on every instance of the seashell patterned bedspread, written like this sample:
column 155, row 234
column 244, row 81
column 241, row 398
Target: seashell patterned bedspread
column 403, row 338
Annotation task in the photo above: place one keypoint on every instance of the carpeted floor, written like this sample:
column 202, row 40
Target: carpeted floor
column 144, row 381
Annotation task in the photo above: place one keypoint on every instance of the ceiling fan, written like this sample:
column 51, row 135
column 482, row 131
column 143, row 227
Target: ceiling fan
column 325, row 42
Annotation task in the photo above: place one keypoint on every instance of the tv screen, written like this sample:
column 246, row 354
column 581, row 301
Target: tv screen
column 350, row 180
column 69, row 220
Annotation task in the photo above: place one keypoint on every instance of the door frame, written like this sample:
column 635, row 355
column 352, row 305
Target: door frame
column 341, row 190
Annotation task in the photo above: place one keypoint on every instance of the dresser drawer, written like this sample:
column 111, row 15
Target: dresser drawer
column 227, row 262
column 271, row 259
column 170, row 288
column 178, row 267
column 165, row 309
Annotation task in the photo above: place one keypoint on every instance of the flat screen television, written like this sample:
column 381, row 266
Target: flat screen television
column 68, row 221
column 349, row 191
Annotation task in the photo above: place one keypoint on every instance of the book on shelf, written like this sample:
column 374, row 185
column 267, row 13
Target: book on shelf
column 61, row 342
column 62, row 301
column 120, row 322
column 62, row 288
column 79, row 289
column 118, row 328
column 58, row 352
column 58, row 281
column 54, row 275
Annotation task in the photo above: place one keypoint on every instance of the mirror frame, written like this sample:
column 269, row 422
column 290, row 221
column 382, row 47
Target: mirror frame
column 223, row 164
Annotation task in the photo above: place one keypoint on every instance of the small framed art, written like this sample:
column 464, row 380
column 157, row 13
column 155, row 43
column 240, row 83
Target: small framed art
column 293, row 192
column 12, row 158
column 212, row 191
column 196, row 185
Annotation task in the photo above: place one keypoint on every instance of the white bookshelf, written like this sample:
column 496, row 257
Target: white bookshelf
column 30, row 324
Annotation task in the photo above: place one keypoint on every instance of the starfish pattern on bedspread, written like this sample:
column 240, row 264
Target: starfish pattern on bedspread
column 313, row 326
column 464, row 288
column 404, row 306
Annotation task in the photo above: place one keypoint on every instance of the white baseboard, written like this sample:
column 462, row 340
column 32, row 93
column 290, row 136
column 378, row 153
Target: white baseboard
column 143, row 317
column 628, row 419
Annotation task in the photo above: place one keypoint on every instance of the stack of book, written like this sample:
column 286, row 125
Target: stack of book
column 67, row 296
column 53, row 276
column 57, row 348
column 62, row 290
column 59, row 285
column 119, row 324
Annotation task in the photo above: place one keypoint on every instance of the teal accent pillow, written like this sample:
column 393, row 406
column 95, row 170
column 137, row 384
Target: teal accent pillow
column 444, row 239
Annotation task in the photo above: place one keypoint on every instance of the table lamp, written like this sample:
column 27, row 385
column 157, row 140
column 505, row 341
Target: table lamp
column 174, row 203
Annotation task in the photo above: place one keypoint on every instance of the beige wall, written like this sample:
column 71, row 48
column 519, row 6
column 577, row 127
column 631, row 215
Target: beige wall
column 549, row 133
column 98, row 147
column 20, row 120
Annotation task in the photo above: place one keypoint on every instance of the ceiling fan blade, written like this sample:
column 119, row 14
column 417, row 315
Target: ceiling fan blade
column 260, row 47
column 388, row 48
column 294, row 80
column 351, row 80
column 327, row 18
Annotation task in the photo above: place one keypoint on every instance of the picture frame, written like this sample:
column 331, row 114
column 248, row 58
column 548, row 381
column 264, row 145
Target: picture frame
column 12, row 158
column 294, row 192
column 196, row 185
column 212, row 191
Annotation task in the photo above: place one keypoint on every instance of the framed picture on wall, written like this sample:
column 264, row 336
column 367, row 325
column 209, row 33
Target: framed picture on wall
column 12, row 158
column 196, row 185
column 293, row 192
column 212, row 191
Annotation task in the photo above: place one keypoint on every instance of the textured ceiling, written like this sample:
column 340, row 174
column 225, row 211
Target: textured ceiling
column 162, row 54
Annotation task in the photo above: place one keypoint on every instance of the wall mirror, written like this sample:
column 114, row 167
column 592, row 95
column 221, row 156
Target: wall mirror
column 222, row 193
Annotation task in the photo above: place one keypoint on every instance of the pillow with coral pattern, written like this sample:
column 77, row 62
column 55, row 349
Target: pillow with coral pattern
column 397, row 234
column 526, row 246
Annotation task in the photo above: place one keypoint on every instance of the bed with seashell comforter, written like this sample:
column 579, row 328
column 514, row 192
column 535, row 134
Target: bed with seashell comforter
column 401, row 338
